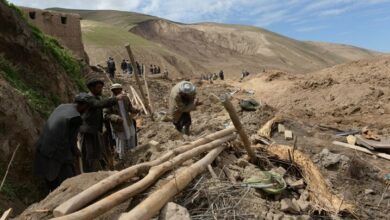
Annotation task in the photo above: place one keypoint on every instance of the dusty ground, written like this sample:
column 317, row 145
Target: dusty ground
column 355, row 177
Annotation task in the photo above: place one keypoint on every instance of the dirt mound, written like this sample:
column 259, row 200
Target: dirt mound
column 358, row 90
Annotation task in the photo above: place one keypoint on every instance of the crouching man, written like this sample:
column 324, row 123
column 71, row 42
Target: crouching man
column 56, row 149
column 181, row 102
column 122, row 122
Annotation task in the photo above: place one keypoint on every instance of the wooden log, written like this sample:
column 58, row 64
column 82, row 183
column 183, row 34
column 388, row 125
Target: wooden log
column 157, row 200
column 237, row 124
column 139, row 100
column 148, row 94
column 132, row 60
column 229, row 175
column 321, row 196
column 9, row 166
column 7, row 214
column 350, row 146
column 362, row 149
column 384, row 156
column 100, row 207
column 98, row 189
column 211, row 170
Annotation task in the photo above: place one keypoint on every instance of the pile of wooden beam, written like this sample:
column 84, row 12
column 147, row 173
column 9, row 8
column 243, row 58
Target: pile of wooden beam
column 80, row 207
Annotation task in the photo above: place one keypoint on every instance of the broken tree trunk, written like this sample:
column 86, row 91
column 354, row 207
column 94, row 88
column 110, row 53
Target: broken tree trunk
column 98, row 189
column 100, row 207
column 266, row 130
column 157, row 200
column 136, row 72
column 321, row 195
column 237, row 124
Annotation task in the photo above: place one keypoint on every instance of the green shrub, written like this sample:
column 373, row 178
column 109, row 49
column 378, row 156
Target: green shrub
column 71, row 66
column 52, row 48
column 36, row 100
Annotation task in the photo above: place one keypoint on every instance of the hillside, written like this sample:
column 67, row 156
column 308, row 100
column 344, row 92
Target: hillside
column 36, row 75
column 204, row 47
column 350, row 94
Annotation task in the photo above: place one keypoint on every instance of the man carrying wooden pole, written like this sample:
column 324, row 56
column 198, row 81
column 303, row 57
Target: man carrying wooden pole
column 132, row 60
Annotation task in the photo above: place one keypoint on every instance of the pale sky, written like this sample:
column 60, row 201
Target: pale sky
column 363, row 23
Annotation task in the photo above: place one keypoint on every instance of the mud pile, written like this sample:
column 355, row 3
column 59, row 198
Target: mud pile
column 354, row 93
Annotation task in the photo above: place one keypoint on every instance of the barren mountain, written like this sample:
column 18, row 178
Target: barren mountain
column 204, row 47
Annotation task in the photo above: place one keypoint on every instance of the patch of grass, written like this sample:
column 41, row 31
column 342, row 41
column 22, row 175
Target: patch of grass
column 71, row 66
column 51, row 47
column 100, row 34
column 36, row 100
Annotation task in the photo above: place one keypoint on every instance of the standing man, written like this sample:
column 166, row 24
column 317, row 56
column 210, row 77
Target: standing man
column 151, row 69
column 124, row 66
column 158, row 70
column 56, row 149
column 129, row 67
column 111, row 67
column 181, row 102
column 221, row 75
column 91, row 130
column 138, row 67
column 124, row 141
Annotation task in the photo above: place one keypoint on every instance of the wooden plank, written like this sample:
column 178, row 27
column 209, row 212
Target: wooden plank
column 361, row 149
column 384, row 156
column 383, row 144
column 131, row 56
column 139, row 100
column 7, row 214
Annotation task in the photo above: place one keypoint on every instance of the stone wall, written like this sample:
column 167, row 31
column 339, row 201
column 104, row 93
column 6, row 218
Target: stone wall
column 64, row 27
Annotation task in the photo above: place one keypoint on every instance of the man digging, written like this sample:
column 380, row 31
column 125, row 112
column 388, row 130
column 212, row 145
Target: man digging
column 181, row 102
column 56, row 149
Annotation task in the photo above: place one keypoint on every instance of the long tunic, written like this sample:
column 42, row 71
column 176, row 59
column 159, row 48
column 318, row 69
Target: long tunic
column 57, row 144
column 113, row 115
column 91, row 133
column 177, row 105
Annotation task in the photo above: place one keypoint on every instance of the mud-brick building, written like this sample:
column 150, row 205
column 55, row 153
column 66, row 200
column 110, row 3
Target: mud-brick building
column 65, row 27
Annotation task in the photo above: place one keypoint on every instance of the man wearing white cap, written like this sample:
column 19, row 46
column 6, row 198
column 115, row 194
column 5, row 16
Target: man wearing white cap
column 181, row 102
column 122, row 122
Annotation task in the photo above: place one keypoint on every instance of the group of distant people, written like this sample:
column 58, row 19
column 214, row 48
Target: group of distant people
column 126, row 67
column 213, row 76
column 154, row 69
